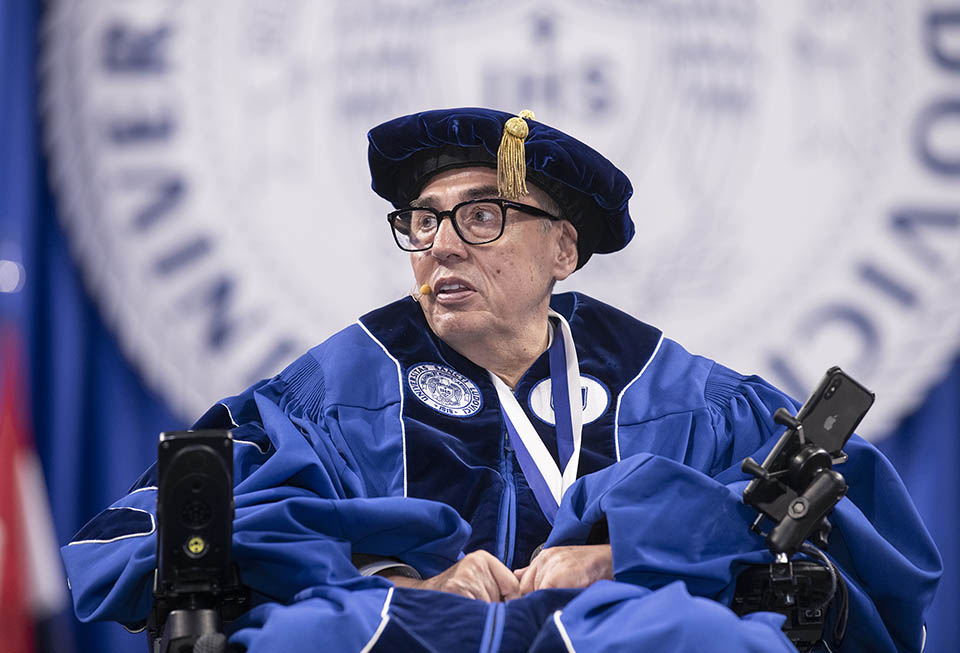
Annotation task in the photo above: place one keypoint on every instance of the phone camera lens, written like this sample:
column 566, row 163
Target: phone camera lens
column 832, row 388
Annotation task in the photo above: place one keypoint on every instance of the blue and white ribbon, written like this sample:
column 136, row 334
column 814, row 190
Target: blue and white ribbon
column 543, row 474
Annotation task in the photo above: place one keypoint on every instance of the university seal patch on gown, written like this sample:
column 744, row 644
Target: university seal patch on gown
column 445, row 390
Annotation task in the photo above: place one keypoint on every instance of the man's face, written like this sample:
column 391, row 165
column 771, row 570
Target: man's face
column 496, row 288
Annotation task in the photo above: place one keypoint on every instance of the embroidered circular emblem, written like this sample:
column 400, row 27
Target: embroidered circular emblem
column 445, row 390
column 595, row 397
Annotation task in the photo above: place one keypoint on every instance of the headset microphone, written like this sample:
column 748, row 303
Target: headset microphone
column 425, row 289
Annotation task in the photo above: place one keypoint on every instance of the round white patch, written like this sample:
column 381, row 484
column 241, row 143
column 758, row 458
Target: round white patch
column 445, row 390
column 595, row 397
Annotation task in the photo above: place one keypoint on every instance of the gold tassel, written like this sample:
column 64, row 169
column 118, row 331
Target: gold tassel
column 512, row 159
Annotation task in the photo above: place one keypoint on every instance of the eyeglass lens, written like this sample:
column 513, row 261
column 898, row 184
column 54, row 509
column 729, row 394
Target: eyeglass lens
column 477, row 223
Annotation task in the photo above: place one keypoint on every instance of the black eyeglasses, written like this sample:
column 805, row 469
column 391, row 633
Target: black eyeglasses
column 477, row 222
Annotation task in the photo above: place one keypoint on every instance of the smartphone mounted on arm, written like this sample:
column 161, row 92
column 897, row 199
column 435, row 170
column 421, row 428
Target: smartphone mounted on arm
column 795, row 489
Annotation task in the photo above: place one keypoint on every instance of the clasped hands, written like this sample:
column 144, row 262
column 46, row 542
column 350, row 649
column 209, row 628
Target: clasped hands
column 480, row 575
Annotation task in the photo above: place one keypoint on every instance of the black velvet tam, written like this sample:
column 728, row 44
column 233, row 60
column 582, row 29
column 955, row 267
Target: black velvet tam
column 592, row 192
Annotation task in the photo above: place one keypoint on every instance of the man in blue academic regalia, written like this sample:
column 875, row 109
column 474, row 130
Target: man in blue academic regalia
column 487, row 466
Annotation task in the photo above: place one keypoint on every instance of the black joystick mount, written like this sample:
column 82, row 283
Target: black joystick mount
column 197, row 589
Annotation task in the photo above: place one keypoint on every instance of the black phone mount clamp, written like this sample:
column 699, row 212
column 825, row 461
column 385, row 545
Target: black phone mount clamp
column 798, row 497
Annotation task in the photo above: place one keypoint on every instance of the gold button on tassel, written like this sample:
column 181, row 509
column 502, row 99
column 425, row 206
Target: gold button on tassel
column 512, row 158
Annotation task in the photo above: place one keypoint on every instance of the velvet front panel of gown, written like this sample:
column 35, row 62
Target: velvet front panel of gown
column 468, row 461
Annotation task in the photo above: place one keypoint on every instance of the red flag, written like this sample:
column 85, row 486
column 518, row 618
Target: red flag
column 32, row 583
column 16, row 615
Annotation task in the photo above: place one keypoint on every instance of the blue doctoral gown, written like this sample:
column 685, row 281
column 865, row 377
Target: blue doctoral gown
column 384, row 441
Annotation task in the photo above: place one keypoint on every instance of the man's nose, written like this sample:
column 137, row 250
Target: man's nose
column 447, row 242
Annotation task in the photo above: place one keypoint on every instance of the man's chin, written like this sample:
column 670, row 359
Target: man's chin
column 452, row 326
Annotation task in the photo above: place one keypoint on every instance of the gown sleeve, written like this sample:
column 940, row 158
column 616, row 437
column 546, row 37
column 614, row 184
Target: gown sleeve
column 684, row 518
column 302, row 508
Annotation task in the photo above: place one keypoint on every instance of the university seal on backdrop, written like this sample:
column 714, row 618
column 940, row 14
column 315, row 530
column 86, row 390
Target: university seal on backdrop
column 797, row 197
column 445, row 390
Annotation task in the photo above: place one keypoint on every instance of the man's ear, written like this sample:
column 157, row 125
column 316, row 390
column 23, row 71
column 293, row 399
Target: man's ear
column 566, row 261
